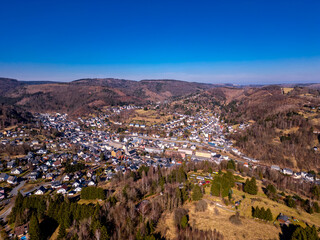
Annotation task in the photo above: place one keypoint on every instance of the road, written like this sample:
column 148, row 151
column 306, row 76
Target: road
column 15, row 190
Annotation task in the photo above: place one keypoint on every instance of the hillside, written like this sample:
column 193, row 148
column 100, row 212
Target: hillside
column 81, row 96
column 10, row 116
column 284, row 124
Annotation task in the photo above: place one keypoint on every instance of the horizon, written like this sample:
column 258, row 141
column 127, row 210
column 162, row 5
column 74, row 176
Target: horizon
column 238, row 43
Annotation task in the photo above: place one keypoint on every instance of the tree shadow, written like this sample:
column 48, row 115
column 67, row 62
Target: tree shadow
column 48, row 226
column 287, row 231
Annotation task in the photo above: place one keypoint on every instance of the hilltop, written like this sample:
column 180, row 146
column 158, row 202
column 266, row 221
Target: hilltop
column 81, row 96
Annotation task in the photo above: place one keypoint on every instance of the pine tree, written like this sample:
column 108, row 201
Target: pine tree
column 263, row 214
column 269, row 216
column 34, row 228
column 196, row 193
column 250, row 186
column 184, row 221
column 104, row 234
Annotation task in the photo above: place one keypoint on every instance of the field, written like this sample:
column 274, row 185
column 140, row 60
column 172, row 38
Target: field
column 287, row 90
column 217, row 215
column 149, row 117
column 93, row 201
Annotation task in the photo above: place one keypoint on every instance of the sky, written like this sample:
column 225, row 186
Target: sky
column 231, row 41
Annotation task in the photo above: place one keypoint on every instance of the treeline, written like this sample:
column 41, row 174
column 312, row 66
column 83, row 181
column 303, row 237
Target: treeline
column 261, row 213
column 277, row 179
column 51, row 211
column 297, row 232
column 92, row 193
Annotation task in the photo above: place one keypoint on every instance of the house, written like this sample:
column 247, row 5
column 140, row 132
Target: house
column 297, row 175
column 275, row 167
column 90, row 173
column 57, row 164
column 66, row 178
column 287, row 171
column 40, row 191
column 12, row 180
column 49, row 176
column 309, row 177
column 71, row 193
column 16, row 171
column 62, row 190
column 78, row 189
column 3, row 177
column 56, row 185
column 76, row 184
column 203, row 154
column 34, row 175
column 11, row 164
column 283, row 219
column 91, row 183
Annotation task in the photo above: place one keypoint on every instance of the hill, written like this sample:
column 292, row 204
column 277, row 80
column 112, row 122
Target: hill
column 10, row 116
column 81, row 96
column 283, row 124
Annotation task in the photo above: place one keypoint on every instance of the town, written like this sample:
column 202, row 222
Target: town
column 61, row 155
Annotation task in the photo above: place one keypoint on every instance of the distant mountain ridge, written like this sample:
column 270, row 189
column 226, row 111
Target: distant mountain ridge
column 79, row 96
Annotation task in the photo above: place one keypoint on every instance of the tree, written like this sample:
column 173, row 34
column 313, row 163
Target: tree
column 103, row 233
column 196, row 193
column 290, row 202
column 231, row 165
column 269, row 216
column 34, row 228
column 315, row 191
column 222, row 185
column 308, row 233
column 184, row 221
column 250, row 186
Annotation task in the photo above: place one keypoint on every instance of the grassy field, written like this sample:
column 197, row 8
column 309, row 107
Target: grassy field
column 250, row 228
column 218, row 218
column 149, row 117
column 287, row 90
column 276, row 208
column 85, row 201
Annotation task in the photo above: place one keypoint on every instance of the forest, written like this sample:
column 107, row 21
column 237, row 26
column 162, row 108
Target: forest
column 135, row 201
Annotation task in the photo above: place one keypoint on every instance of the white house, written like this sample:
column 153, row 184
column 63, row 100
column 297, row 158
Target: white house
column 287, row 171
column 16, row 171
column 62, row 190
column 40, row 191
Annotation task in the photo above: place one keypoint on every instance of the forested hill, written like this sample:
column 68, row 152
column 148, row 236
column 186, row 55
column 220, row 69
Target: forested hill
column 10, row 116
column 283, row 124
column 84, row 95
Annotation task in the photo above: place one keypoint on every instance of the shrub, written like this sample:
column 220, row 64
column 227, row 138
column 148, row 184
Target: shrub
column 235, row 219
column 201, row 206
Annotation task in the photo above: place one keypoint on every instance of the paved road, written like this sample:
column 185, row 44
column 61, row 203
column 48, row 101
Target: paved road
column 15, row 190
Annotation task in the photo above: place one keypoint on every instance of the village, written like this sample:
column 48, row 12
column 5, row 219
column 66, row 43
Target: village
column 89, row 144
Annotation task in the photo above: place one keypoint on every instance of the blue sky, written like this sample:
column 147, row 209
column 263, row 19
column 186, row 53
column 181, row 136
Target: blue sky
column 206, row 41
